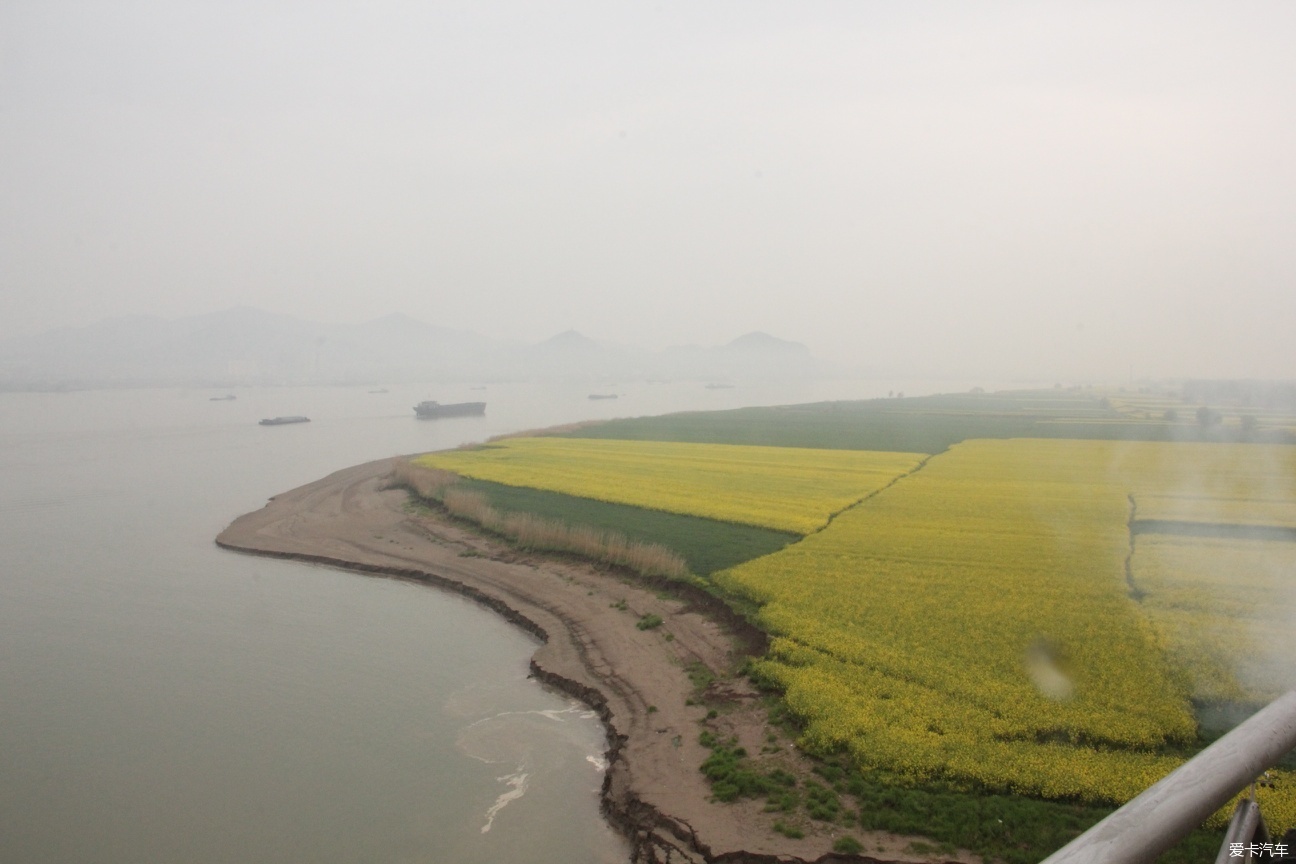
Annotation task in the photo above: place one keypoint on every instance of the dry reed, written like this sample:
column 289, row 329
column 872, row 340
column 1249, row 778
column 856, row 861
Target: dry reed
column 535, row 533
column 428, row 483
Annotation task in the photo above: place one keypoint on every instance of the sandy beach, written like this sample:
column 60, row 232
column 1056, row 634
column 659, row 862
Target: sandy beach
column 637, row 680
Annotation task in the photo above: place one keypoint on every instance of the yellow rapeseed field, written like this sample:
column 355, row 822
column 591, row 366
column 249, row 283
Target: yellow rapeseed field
column 973, row 621
column 1224, row 609
column 786, row 488
column 1248, row 484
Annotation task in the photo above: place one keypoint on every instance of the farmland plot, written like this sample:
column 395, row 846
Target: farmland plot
column 1224, row 609
column 973, row 622
column 784, row 488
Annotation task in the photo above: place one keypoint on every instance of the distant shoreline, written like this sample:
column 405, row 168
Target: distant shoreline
column 653, row 792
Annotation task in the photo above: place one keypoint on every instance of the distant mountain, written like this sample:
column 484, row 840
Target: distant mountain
column 574, row 355
column 757, row 343
column 250, row 346
column 397, row 347
column 240, row 346
column 568, row 345
column 750, row 356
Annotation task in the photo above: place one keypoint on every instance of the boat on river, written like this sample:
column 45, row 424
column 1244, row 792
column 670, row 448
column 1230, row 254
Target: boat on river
column 280, row 421
column 430, row 410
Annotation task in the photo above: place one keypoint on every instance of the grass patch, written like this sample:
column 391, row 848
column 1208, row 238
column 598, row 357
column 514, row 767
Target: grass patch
column 733, row 776
column 1013, row 828
column 699, row 675
column 847, row 845
column 707, row 545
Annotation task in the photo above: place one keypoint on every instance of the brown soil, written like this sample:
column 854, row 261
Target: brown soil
column 636, row 679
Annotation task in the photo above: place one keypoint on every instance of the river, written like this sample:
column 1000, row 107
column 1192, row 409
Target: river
column 162, row 700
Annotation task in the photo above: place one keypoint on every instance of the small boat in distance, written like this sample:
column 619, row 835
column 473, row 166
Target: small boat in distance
column 603, row 395
column 280, row 421
column 429, row 410
column 229, row 397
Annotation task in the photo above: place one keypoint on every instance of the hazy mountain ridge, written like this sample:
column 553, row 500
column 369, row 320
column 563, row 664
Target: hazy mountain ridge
column 247, row 346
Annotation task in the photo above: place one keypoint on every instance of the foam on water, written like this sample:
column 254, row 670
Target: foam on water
column 517, row 784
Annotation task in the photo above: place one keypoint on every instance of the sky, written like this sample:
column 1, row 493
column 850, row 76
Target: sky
column 1102, row 190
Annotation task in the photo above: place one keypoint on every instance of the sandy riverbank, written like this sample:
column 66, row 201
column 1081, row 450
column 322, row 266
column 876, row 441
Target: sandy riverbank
column 636, row 679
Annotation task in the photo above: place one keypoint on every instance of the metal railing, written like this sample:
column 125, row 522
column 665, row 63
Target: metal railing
column 1169, row 810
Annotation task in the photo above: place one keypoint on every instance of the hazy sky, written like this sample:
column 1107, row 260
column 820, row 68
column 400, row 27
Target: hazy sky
column 1083, row 189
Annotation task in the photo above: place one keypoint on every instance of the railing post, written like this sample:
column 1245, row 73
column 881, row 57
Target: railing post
column 1242, row 829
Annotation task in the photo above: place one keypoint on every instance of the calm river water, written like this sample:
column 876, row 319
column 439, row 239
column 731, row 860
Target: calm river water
column 162, row 700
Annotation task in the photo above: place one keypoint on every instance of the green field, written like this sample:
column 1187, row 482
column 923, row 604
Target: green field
column 928, row 424
column 707, row 545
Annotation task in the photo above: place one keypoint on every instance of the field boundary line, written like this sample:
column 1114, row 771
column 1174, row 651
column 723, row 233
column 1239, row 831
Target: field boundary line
column 893, row 481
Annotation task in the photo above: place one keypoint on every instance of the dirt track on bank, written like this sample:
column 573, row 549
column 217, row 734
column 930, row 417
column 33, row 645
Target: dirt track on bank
column 636, row 679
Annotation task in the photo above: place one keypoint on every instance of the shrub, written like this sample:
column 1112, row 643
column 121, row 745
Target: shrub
column 648, row 622
column 822, row 803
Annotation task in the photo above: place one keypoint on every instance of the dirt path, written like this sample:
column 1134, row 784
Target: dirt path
column 638, row 680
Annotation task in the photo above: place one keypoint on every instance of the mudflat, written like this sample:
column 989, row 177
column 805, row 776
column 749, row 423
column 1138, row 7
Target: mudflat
column 637, row 679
